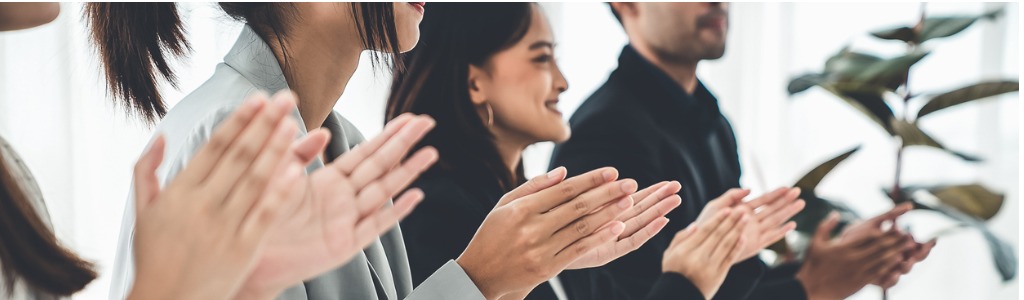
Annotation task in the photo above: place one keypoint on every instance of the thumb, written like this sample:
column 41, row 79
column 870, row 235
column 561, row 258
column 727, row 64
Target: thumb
column 733, row 197
column 824, row 232
column 147, row 185
column 310, row 146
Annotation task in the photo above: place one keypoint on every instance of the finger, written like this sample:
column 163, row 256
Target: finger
column 722, row 252
column 639, row 238
column 778, row 217
column 776, row 234
column 371, row 227
column 206, row 159
column 589, row 224
column 311, row 146
column 147, row 185
column 257, row 220
column 591, row 201
column 579, row 248
column 733, row 197
column 378, row 192
column 704, row 230
column 684, row 236
column 767, row 198
column 391, row 153
column 534, row 185
column 824, row 232
column 889, row 281
column 567, row 190
column 647, row 198
column 891, row 215
column 358, row 154
column 660, row 209
column 247, row 147
column 254, row 181
column 776, row 209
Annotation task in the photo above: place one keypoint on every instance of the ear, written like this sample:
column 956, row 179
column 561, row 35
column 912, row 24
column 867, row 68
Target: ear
column 625, row 9
column 477, row 85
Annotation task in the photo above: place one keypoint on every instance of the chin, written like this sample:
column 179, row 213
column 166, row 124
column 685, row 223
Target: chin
column 407, row 44
column 562, row 136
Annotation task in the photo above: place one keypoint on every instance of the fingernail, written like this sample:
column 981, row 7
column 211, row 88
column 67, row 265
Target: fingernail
column 608, row 175
column 618, row 228
column 625, row 203
column 628, row 186
column 556, row 172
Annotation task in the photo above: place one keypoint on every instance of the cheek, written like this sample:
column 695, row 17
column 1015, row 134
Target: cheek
column 524, row 109
column 407, row 25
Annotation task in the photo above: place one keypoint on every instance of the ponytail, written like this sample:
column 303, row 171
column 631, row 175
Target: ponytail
column 29, row 251
column 134, row 41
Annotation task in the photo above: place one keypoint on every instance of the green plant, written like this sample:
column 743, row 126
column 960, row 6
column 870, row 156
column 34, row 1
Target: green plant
column 865, row 82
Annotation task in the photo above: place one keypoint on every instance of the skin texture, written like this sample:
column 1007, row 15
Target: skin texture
column 705, row 252
column 771, row 213
column 24, row 15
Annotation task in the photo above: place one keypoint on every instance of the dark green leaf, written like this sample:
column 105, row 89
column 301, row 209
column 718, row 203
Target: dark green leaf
column 804, row 82
column 914, row 136
column 869, row 102
column 940, row 27
column 811, row 180
column 968, row 93
column 847, row 64
column 889, row 72
column 1003, row 255
column 902, row 33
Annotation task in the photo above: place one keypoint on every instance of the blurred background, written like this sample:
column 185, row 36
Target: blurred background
column 56, row 113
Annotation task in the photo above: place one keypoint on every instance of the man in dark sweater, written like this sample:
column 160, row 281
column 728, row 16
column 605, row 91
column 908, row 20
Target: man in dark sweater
column 654, row 120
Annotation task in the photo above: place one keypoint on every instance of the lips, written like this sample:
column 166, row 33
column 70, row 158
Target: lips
column 552, row 105
column 419, row 6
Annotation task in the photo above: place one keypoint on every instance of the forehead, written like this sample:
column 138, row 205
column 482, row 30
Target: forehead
column 540, row 29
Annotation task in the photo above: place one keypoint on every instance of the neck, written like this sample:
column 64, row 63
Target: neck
column 317, row 73
column 510, row 150
column 683, row 72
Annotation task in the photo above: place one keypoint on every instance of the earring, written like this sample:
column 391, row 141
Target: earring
column 490, row 115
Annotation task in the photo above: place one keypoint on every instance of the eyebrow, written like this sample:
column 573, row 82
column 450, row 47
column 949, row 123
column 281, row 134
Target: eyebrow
column 542, row 44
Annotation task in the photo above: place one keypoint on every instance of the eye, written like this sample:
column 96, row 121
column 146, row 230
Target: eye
column 545, row 58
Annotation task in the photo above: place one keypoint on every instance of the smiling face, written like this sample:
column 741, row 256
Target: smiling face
column 521, row 84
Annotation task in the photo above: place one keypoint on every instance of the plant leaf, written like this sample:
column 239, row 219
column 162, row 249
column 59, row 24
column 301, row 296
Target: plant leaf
column 902, row 33
column 914, row 136
column 889, row 72
column 804, row 82
column 847, row 64
column 940, row 27
column 972, row 199
column 968, row 93
column 811, row 180
column 869, row 102
column 1003, row 255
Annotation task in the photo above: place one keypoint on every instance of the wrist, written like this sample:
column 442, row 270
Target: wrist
column 807, row 282
column 479, row 279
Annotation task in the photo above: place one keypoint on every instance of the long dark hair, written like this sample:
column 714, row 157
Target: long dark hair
column 135, row 40
column 29, row 250
column 453, row 37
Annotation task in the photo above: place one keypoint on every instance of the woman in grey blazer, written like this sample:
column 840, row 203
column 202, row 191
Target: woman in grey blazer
column 533, row 233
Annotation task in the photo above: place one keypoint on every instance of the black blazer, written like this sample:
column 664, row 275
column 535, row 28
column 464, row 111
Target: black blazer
column 456, row 203
column 645, row 125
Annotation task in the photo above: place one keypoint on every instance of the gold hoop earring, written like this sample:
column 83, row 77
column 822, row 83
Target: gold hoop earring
column 490, row 115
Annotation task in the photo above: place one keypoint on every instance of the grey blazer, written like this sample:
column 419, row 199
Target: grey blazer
column 381, row 271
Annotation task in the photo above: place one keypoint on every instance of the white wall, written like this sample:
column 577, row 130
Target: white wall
column 54, row 110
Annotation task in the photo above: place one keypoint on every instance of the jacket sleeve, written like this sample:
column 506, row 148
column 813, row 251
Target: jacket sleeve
column 450, row 282
column 780, row 283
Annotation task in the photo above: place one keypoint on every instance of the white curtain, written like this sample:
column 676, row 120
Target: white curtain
column 55, row 110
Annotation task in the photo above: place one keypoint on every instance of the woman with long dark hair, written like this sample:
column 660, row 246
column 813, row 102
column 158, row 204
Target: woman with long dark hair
column 313, row 49
column 487, row 73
